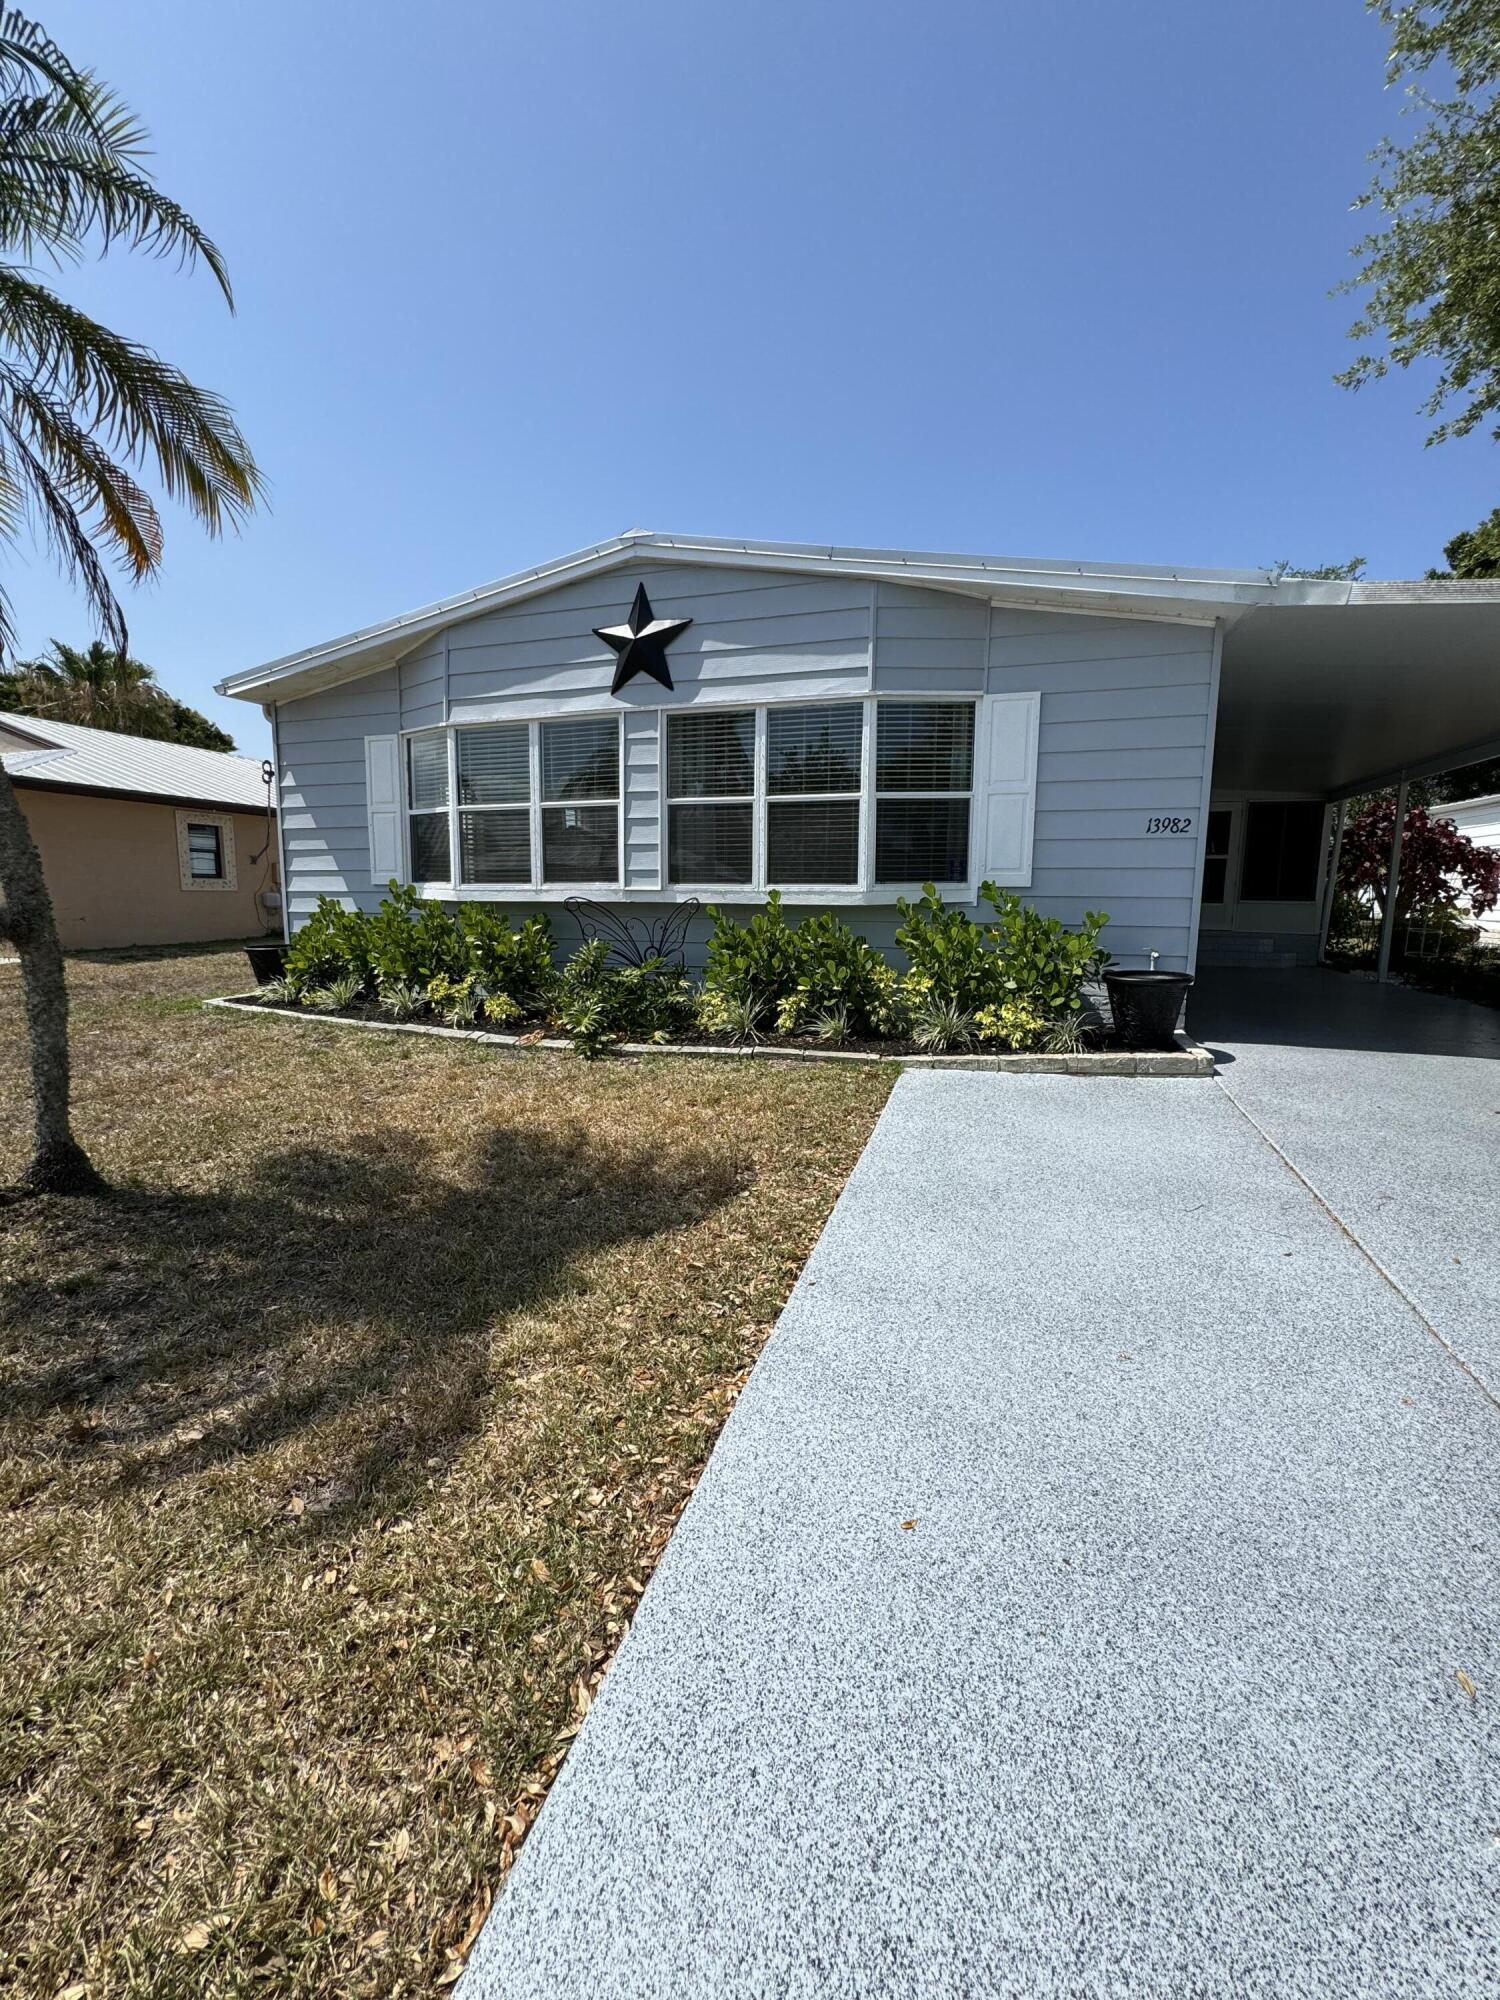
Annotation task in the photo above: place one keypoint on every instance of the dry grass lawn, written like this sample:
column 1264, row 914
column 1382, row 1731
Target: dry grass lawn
column 334, row 1452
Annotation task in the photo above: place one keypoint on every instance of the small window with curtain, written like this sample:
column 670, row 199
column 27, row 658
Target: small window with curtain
column 427, row 807
column 812, row 787
column 581, row 800
column 711, row 797
column 494, row 803
column 924, row 781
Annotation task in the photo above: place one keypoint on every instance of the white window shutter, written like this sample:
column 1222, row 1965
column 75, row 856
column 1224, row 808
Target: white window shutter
column 383, row 804
column 1010, row 724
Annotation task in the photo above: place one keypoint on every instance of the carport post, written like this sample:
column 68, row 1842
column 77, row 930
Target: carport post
column 1392, row 886
column 1331, row 887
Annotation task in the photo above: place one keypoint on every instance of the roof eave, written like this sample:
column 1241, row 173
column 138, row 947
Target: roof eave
column 1096, row 589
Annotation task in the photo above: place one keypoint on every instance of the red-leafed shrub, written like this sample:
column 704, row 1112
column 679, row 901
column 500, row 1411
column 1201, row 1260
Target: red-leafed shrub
column 1438, row 865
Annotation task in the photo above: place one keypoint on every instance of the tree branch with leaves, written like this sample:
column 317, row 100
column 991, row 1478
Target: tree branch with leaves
column 1431, row 272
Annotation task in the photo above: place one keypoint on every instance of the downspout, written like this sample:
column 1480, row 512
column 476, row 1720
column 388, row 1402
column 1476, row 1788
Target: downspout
column 1205, row 795
column 269, row 711
column 1393, row 886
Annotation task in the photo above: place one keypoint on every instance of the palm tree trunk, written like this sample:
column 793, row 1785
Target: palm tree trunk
column 59, row 1164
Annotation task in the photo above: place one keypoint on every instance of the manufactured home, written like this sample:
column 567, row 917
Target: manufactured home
column 662, row 718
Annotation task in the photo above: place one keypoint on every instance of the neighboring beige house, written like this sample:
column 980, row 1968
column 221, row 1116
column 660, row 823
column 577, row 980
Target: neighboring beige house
column 145, row 843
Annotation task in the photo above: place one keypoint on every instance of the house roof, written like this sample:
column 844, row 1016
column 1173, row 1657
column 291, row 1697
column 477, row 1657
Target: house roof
column 1329, row 686
column 66, row 756
column 1110, row 589
column 1103, row 587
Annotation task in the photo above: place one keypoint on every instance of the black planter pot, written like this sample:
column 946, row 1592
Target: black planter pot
column 1146, row 1005
column 267, row 961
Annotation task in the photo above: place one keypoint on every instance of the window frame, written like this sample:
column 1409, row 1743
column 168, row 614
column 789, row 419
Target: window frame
column 223, row 825
column 536, row 884
column 216, row 832
column 866, row 890
column 967, row 890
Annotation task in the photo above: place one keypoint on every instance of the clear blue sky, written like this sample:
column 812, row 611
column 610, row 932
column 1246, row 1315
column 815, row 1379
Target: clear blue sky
column 975, row 275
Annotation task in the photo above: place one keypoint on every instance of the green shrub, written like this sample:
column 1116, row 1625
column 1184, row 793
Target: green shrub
column 515, row 961
column 412, row 942
column 838, row 973
column 1015, row 1024
column 1044, row 963
column 334, row 941
column 599, row 1004
column 1016, row 975
column 413, row 953
column 755, row 963
column 797, row 974
column 951, row 959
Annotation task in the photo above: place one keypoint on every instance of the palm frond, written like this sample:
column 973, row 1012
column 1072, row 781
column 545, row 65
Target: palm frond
column 144, row 407
column 67, row 176
column 50, row 507
column 29, row 56
column 126, row 513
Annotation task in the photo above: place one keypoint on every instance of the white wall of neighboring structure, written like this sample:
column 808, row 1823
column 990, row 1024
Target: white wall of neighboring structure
column 1479, row 820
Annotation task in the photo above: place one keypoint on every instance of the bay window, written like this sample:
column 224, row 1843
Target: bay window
column 850, row 796
column 494, row 799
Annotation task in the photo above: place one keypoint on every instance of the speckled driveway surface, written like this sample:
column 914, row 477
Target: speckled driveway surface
column 1085, row 1597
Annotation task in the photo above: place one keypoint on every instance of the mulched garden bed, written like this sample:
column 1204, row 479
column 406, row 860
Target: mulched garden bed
column 537, row 1031
column 698, row 1038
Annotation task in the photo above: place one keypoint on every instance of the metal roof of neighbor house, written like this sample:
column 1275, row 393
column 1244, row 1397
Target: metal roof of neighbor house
column 65, row 756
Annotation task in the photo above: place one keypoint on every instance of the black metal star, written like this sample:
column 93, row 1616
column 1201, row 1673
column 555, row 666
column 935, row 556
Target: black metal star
column 641, row 642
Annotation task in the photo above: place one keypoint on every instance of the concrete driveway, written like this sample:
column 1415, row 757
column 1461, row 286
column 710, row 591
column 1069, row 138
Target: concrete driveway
column 1094, row 1590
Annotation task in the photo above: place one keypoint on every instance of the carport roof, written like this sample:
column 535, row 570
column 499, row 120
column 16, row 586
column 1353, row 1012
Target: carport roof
column 1397, row 680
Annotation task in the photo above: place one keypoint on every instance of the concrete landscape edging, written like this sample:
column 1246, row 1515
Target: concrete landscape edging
column 1190, row 1058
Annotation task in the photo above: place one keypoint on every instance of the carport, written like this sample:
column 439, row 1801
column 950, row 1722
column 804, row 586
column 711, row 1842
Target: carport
column 1328, row 690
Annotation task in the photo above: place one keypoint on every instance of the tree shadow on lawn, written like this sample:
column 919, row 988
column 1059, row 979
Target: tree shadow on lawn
column 356, row 1289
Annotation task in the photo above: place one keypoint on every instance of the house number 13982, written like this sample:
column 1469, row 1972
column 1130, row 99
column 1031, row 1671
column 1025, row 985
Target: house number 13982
column 1160, row 823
